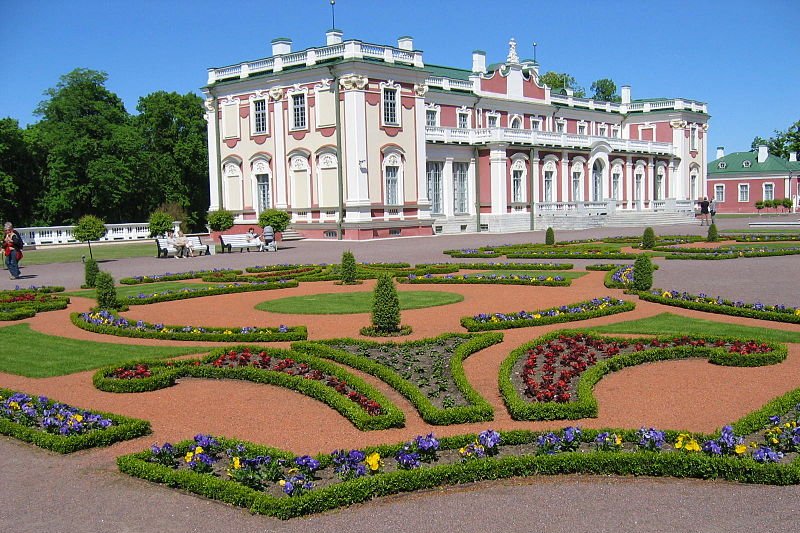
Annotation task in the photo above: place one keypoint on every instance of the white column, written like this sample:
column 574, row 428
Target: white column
column 423, row 201
column 356, row 160
column 629, row 196
column 566, row 179
column 471, row 192
column 212, row 126
column 497, row 164
column 535, row 177
column 448, row 193
column 649, row 182
column 682, row 173
column 281, row 164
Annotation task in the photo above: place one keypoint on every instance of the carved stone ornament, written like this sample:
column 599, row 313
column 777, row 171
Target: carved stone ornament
column 677, row 123
column 260, row 94
column 230, row 100
column 231, row 170
column 705, row 127
column 512, row 58
column 208, row 103
column 276, row 93
column 327, row 161
column 324, row 83
column 519, row 164
column 354, row 81
column 420, row 90
column 392, row 160
column 299, row 162
column 260, row 167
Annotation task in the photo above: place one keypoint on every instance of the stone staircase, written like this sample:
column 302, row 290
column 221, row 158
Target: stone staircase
column 291, row 235
column 620, row 219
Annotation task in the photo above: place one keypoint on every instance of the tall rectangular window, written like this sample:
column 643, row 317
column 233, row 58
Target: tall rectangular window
column 260, row 117
column 769, row 191
column 637, row 187
column 536, row 124
column 492, row 121
column 390, row 107
column 581, row 129
column 548, row 186
column 463, row 120
column 693, row 139
column 264, row 201
column 460, row 173
column 744, row 192
column 430, row 117
column 434, row 175
column 516, row 186
column 391, row 185
column 576, row 186
column 299, row 112
column 615, row 179
column 719, row 192
column 560, row 126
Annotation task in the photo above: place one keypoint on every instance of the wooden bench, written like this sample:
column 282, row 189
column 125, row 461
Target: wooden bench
column 238, row 240
column 165, row 249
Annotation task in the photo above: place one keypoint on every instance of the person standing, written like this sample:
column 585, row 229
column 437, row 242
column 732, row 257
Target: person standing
column 267, row 238
column 704, row 212
column 12, row 248
column 712, row 210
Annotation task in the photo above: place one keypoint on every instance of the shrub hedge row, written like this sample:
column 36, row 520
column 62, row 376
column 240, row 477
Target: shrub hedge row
column 123, row 428
column 718, row 309
column 166, row 373
column 720, row 255
column 471, row 280
column 585, row 405
column 515, row 266
column 566, row 254
column 211, row 291
column 474, row 325
column 169, row 276
column 478, row 409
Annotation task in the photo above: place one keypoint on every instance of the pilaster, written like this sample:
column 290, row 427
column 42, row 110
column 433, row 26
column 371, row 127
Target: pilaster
column 497, row 164
column 212, row 126
column 281, row 163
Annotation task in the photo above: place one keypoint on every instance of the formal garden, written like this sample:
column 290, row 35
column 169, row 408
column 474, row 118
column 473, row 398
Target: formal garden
column 298, row 388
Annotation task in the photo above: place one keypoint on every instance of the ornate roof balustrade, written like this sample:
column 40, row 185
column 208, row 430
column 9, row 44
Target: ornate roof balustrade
column 541, row 139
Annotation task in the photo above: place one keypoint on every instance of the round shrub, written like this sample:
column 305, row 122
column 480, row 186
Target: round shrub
column 160, row 222
column 279, row 220
column 348, row 268
column 642, row 273
column 91, row 270
column 713, row 234
column 550, row 236
column 220, row 220
column 386, row 305
column 106, row 293
column 648, row 239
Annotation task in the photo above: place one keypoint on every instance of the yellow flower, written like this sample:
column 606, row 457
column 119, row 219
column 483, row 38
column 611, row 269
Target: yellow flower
column 13, row 405
column 374, row 461
column 692, row 446
column 228, row 332
column 462, row 451
column 198, row 449
column 537, row 315
column 740, row 449
column 617, row 440
column 78, row 418
column 282, row 482
column 236, row 463
column 188, row 457
column 666, row 294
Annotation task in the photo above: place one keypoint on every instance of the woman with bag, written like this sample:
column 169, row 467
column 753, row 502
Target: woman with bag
column 12, row 248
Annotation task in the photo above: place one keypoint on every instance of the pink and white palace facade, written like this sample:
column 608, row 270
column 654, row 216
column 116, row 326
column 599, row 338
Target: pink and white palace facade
column 360, row 141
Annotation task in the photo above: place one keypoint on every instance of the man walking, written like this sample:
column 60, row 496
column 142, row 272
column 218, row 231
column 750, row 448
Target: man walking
column 12, row 248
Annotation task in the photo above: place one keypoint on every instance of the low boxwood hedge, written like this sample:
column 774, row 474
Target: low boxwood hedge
column 475, row 254
column 728, row 253
column 585, row 404
column 123, row 428
column 43, row 300
column 252, row 285
column 197, row 333
column 474, row 279
column 344, row 493
column 170, row 276
column 566, row 254
column 563, row 316
column 165, row 373
column 515, row 266
column 478, row 409
column 725, row 307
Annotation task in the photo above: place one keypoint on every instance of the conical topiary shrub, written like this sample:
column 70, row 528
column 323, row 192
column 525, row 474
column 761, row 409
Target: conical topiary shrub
column 648, row 239
column 642, row 273
column 348, row 272
column 550, row 236
column 106, row 293
column 385, row 310
column 713, row 234
column 91, row 270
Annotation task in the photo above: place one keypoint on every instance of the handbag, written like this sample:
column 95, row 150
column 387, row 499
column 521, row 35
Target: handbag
column 19, row 255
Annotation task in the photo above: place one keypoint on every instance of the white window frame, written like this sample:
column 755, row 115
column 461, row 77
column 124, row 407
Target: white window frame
column 582, row 128
column 693, row 138
column 659, row 180
column 602, row 130
column 515, row 119
column 638, row 182
column 393, row 159
column 743, row 188
column 519, row 175
column 536, row 123
column 292, row 95
column 230, row 106
column 390, row 87
column 576, row 194
column 460, row 187
column 719, row 192
column 434, row 176
column 466, row 115
column 764, row 190
column 615, row 132
column 548, row 171
column 254, row 114
column 492, row 115
column 561, row 125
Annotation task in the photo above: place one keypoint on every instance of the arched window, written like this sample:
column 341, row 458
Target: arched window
column 597, row 181
column 577, row 181
column 392, row 178
column 616, row 181
column 516, row 123
column 638, row 183
column 518, row 173
column 549, row 172
column 300, row 186
column 232, row 185
column 658, row 184
column 263, row 190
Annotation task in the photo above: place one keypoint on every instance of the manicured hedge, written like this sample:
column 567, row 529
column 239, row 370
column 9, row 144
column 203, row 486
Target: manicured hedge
column 636, row 463
column 585, row 405
column 603, row 267
column 515, row 266
column 727, row 308
column 44, row 301
column 123, row 428
column 735, row 254
column 211, row 291
column 566, row 254
column 475, row 254
column 166, row 373
column 478, row 410
column 471, row 279
column 169, row 276
column 474, row 325
column 293, row 333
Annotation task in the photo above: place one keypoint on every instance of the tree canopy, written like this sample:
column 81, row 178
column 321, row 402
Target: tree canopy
column 562, row 80
column 782, row 143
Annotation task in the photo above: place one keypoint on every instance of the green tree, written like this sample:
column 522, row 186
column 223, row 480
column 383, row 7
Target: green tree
column 605, row 90
column 90, row 150
column 90, row 270
column 713, row 234
column 220, row 220
column 385, row 305
column 279, row 220
column 160, row 222
column 19, row 182
column 550, row 236
column 642, row 273
column 562, row 80
column 348, row 274
column 782, row 143
column 89, row 228
column 106, row 292
column 648, row 238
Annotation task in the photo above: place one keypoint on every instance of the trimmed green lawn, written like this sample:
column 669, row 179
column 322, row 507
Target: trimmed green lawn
column 36, row 355
column 353, row 302
column 669, row 324
column 72, row 254
column 123, row 291
column 535, row 273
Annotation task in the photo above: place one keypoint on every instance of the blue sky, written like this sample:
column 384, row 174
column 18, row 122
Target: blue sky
column 741, row 57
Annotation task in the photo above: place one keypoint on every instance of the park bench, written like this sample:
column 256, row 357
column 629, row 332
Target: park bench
column 238, row 240
column 165, row 249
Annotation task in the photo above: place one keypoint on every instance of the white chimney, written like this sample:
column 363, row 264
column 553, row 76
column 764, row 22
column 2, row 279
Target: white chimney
column 720, row 152
column 793, row 157
column 763, row 153
column 625, row 92
column 333, row 36
column 281, row 45
column 405, row 43
column 479, row 61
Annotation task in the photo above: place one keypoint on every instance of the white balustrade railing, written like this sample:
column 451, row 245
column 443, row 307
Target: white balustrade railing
column 41, row 235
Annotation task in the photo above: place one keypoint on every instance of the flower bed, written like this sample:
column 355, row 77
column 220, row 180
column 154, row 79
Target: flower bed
column 24, row 303
column 485, row 279
column 110, row 323
column 429, row 372
column 170, row 276
column 575, row 254
column 274, row 482
column 473, row 253
column 604, row 266
column 189, row 292
column 719, row 305
column 60, row 427
column 351, row 396
column 491, row 265
column 764, row 237
column 552, row 377
column 731, row 253
column 565, row 313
